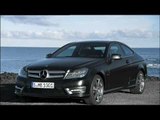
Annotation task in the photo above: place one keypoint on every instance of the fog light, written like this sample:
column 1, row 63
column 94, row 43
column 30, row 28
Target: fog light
column 80, row 90
column 80, row 83
column 68, row 91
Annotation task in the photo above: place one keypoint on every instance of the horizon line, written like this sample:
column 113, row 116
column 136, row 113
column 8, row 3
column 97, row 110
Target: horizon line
column 59, row 47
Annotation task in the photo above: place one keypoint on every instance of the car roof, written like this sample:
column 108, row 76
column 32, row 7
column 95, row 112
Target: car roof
column 98, row 41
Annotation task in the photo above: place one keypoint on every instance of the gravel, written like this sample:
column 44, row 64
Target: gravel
column 151, row 95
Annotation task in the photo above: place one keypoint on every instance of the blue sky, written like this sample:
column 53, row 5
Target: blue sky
column 57, row 30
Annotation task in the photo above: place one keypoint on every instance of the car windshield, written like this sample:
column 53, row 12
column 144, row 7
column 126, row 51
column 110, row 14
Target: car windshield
column 81, row 50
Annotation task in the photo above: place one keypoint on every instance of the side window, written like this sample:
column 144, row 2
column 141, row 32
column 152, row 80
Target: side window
column 68, row 52
column 115, row 49
column 127, row 51
column 100, row 48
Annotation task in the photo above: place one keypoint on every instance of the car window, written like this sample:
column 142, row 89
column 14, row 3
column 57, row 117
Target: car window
column 82, row 50
column 115, row 49
column 100, row 48
column 94, row 51
column 67, row 52
column 127, row 51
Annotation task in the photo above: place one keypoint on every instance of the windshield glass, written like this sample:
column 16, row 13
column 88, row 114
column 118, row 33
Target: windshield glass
column 82, row 50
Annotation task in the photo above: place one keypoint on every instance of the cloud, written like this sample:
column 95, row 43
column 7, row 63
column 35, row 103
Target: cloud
column 32, row 20
column 66, row 35
column 131, row 34
column 32, row 35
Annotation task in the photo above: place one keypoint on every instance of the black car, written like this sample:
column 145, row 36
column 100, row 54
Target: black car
column 84, row 70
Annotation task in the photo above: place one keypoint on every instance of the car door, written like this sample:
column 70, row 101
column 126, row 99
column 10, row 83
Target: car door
column 131, row 67
column 117, row 68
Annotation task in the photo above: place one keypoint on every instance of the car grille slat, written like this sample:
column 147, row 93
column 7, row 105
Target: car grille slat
column 34, row 73
column 50, row 73
column 56, row 72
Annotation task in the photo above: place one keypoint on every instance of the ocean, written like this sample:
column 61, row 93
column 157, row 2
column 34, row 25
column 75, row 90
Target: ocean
column 14, row 58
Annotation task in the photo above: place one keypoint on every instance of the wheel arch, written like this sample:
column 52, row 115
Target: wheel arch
column 103, row 78
column 143, row 68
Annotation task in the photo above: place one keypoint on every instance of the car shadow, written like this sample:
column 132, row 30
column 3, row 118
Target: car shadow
column 124, row 91
column 7, row 95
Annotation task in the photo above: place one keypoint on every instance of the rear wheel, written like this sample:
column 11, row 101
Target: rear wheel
column 96, row 91
column 140, row 84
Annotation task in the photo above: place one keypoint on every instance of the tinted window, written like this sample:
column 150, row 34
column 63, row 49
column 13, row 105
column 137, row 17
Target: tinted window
column 67, row 52
column 91, row 51
column 102, row 48
column 127, row 51
column 82, row 50
column 115, row 49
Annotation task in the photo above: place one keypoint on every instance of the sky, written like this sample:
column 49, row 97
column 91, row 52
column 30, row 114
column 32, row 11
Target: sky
column 137, row 31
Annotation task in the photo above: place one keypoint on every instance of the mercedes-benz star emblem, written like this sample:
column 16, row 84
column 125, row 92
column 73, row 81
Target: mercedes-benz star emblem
column 43, row 74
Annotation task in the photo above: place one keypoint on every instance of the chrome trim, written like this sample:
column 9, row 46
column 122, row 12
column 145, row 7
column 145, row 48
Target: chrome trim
column 34, row 76
column 55, row 76
column 31, row 73
column 34, row 71
column 19, row 88
column 68, row 71
column 50, row 74
column 116, row 57
column 56, row 72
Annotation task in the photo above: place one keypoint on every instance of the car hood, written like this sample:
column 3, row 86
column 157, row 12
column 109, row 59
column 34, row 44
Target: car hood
column 63, row 63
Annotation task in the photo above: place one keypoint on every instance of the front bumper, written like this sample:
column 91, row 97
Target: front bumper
column 72, row 88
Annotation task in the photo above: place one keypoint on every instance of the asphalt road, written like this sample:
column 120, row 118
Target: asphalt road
column 151, row 96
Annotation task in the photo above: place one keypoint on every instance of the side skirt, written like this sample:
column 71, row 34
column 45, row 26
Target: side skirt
column 113, row 89
column 118, row 88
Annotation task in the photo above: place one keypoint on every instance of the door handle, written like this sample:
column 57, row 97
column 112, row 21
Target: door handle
column 127, row 61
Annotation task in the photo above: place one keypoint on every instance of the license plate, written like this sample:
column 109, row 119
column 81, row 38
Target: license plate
column 44, row 85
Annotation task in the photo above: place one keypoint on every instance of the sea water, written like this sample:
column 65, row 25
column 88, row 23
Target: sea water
column 14, row 58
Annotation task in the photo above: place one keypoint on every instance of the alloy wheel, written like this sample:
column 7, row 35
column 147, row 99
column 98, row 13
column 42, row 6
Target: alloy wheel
column 97, row 90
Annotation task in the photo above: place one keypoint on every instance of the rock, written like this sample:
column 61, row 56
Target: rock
column 8, row 78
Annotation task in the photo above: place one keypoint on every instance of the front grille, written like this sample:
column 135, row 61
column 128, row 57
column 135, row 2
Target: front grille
column 34, row 74
column 49, row 73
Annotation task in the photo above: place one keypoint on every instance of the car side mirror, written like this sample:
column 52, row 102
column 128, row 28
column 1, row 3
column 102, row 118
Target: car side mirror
column 116, row 57
column 49, row 55
column 113, row 57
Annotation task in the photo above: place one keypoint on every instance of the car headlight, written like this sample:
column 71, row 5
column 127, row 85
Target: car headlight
column 79, row 73
column 22, row 73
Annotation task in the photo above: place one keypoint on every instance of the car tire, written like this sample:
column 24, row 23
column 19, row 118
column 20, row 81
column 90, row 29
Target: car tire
column 140, row 84
column 96, row 91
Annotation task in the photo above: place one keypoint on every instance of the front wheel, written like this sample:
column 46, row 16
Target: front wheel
column 96, row 91
column 140, row 84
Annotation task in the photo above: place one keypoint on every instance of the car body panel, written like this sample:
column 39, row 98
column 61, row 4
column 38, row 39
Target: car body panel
column 61, row 63
column 116, row 74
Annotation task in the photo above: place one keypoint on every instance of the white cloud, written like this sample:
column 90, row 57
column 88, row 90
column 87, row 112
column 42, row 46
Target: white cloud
column 31, row 20
column 66, row 35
